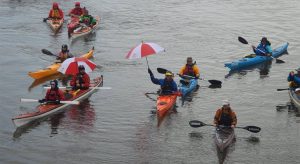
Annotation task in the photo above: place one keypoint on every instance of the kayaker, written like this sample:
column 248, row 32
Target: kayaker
column 225, row 116
column 87, row 19
column 55, row 12
column 263, row 48
column 167, row 85
column 190, row 69
column 294, row 79
column 81, row 80
column 64, row 53
column 54, row 94
column 76, row 11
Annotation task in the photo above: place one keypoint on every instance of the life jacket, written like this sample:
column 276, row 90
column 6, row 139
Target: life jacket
column 260, row 49
column 87, row 19
column 188, row 70
column 77, row 11
column 167, row 86
column 55, row 13
column 64, row 55
column 83, row 81
column 52, row 95
column 225, row 118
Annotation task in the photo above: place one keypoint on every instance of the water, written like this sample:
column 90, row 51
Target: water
column 115, row 126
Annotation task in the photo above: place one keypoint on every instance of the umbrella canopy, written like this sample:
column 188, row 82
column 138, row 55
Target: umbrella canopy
column 70, row 65
column 143, row 50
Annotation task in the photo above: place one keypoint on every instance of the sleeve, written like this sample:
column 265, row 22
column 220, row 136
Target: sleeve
column 181, row 70
column 196, row 70
column 234, row 119
column 290, row 78
column 269, row 49
column 61, row 13
column 94, row 21
column 73, row 81
column 47, row 94
column 61, row 95
column 217, row 117
column 50, row 14
column 155, row 80
column 86, row 81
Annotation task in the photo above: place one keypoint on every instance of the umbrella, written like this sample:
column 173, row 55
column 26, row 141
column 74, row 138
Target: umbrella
column 70, row 65
column 144, row 50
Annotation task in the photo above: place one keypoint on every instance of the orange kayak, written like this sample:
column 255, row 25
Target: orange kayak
column 52, row 69
column 164, row 103
column 55, row 24
column 45, row 110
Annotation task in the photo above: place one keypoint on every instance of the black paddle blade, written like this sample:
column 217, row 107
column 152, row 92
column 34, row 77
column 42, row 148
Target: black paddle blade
column 279, row 61
column 196, row 123
column 215, row 82
column 283, row 89
column 253, row 129
column 162, row 70
column 44, row 51
column 242, row 40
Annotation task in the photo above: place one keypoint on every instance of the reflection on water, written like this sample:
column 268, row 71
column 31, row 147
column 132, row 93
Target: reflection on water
column 62, row 78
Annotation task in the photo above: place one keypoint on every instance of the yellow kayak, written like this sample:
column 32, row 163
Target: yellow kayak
column 52, row 69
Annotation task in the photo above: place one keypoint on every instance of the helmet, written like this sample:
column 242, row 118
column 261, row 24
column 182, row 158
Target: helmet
column 64, row 46
column 169, row 73
column 55, row 5
column 225, row 102
column 81, row 67
column 55, row 82
column 77, row 3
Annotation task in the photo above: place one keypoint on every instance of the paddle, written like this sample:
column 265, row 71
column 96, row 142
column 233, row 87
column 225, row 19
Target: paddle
column 45, row 19
column 212, row 82
column 244, row 41
column 283, row 89
column 68, row 87
column 62, row 102
column 47, row 52
column 197, row 124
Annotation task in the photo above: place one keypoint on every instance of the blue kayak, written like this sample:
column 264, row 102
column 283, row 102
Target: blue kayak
column 245, row 62
column 188, row 87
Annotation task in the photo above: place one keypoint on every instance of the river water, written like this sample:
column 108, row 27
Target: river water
column 116, row 126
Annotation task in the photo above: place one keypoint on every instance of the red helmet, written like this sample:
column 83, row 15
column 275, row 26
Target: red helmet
column 77, row 3
column 55, row 5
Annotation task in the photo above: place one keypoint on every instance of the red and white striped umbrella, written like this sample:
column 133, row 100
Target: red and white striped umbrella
column 70, row 65
column 143, row 50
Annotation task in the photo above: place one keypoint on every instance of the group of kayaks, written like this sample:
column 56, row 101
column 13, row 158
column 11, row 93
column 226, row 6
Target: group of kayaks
column 81, row 31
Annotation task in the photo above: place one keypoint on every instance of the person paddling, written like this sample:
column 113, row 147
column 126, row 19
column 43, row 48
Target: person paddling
column 167, row 85
column 190, row 69
column 81, row 80
column 54, row 94
column 264, row 48
column 55, row 12
column 76, row 11
column 87, row 19
column 64, row 53
column 225, row 116
column 294, row 79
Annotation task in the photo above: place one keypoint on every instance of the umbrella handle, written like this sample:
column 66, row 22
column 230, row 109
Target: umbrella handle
column 147, row 62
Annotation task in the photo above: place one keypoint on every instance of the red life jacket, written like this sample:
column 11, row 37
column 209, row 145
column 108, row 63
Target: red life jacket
column 188, row 70
column 53, row 95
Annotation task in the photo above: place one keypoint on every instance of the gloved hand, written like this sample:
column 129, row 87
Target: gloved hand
column 150, row 72
column 42, row 100
column 57, row 102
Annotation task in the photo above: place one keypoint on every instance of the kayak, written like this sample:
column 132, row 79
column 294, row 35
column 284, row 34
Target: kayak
column 187, row 87
column 224, row 136
column 164, row 103
column 55, row 24
column 52, row 69
column 294, row 98
column 45, row 110
column 83, row 31
column 248, row 61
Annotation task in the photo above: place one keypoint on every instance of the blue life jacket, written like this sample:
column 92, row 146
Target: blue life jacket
column 225, row 119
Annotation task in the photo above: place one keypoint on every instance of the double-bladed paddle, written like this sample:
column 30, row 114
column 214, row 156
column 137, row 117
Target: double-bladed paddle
column 198, row 124
column 244, row 41
column 212, row 82
column 62, row 102
column 283, row 89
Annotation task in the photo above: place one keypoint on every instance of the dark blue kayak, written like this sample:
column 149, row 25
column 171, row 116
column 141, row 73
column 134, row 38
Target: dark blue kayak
column 245, row 62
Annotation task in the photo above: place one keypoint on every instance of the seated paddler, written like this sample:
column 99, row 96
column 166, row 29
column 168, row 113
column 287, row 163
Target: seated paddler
column 294, row 79
column 167, row 85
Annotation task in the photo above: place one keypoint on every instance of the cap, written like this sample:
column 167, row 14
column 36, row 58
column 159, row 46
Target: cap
column 298, row 69
column 225, row 102
column 297, row 89
column 77, row 3
column 169, row 74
